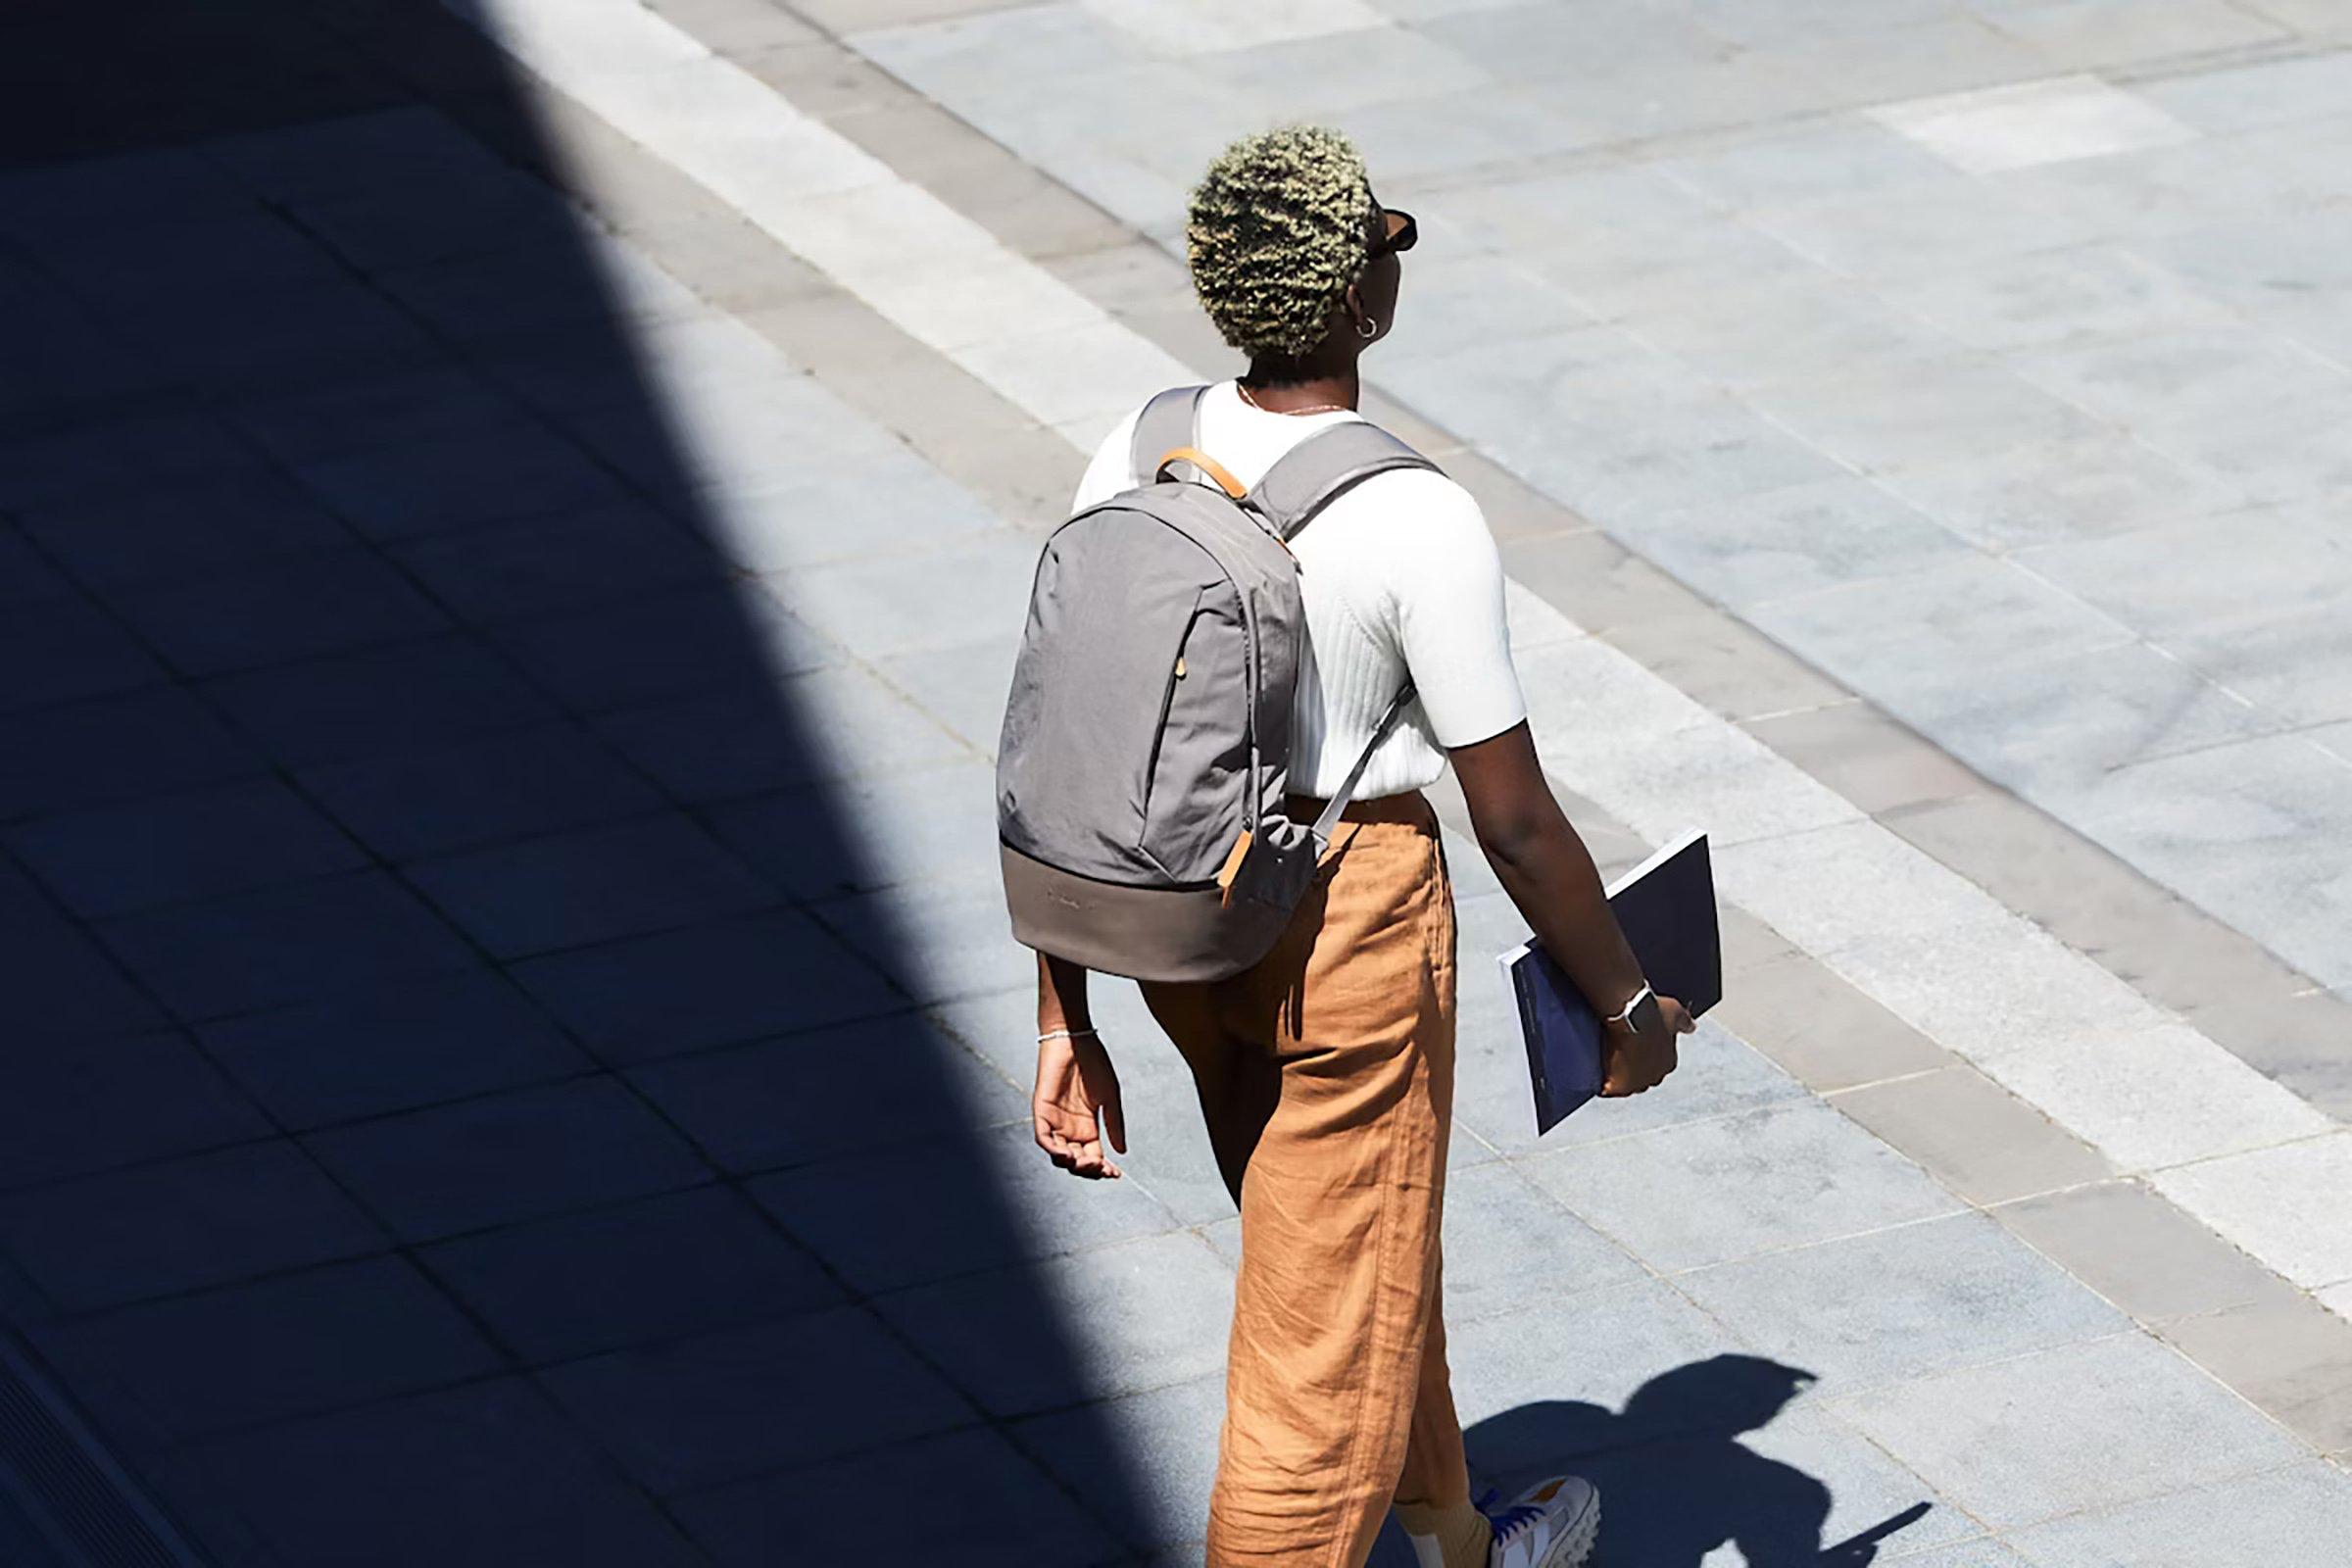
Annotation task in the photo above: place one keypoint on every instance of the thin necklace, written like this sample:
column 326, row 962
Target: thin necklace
column 1319, row 407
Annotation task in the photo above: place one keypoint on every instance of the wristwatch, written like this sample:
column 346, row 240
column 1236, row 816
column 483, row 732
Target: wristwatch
column 1640, row 1013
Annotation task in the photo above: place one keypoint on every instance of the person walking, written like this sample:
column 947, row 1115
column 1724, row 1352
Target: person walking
column 1325, row 1070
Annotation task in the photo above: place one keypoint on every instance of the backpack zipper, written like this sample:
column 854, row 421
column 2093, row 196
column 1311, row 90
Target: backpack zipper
column 1167, row 702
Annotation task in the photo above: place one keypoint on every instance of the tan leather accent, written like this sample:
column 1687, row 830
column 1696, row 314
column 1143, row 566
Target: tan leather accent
column 1233, row 863
column 1206, row 465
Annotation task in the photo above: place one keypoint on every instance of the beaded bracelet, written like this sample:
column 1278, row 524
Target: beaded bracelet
column 1063, row 1034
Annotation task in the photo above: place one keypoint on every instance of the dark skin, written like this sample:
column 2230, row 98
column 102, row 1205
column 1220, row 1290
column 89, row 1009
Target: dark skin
column 1536, row 855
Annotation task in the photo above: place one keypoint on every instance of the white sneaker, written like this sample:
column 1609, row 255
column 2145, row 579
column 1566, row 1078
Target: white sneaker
column 1553, row 1524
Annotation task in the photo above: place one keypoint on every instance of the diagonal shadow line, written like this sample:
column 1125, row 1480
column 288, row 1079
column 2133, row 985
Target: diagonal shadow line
column 442, row 980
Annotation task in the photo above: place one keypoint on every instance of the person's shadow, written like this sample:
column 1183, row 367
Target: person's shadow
column 1675, row 1480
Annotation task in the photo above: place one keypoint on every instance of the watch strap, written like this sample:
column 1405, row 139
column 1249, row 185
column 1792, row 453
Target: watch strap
column 1625, row 1014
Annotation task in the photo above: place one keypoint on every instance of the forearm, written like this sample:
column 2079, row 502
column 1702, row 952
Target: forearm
column 1060, row 995
column 1550, row 877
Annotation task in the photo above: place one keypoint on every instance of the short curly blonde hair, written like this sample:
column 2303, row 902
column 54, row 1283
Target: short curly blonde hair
column 1276, row 230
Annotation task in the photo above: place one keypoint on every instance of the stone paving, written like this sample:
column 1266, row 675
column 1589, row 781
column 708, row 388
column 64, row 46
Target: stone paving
column 482, row 819
column 1992, row 357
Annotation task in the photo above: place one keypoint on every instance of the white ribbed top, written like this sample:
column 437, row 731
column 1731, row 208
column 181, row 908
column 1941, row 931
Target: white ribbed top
column 1399, row 574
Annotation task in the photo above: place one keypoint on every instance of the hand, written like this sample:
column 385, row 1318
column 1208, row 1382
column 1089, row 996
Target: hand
column 1077, row 1106
column 1642, row 1060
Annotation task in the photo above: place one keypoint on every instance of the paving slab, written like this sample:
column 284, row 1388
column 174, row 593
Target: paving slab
column 1508, row 1243
column 1835, row 532
column 695, row 1413
column 2286, row 1350
column 2033, row 122
column 2031, row 995
column 1812, row 1172
column 1984, row 1144
column 247, row 619
column 1528, row 1396
column 2059, row 491
column 777, row 1102
column 525, row 783
column 1881, row 765
column 507, row 1158
column 355, row 1477
column 114, row 1101
column 2170, row 1104
column 2052, row 726
column 129, row 451
column 713, row 985
column 1822, row 1031
column 592, row 885
column 1979, row 1554
column 2296, row 1515
column 178, row 848
column 62, row 647
column 2295, row 663
column 940, row 1236
column 1156, row 1311
column 2307, row 87
column 242, row 951
column 2159, row 944
column 1167, row 1436
column 2256, row 864
column 2165, row 373
column 290, row 1345
column 142, row 537
column 2137, row 1250
column 1970, row 1434
column 177, row 1225
column 543, row 566
column 1009, row 1512
column 686, row 1262
column 404, row 696
column 2277, row 1192
column 1899, row 1304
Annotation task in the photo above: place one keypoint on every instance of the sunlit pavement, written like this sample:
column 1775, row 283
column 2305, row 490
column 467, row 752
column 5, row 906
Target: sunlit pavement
column 1928, row 493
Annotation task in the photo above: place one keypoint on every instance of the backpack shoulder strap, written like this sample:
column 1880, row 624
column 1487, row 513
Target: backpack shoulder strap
column 1328, row 822
column 1318, row 469
column 1304, row 480
column 1172, row 420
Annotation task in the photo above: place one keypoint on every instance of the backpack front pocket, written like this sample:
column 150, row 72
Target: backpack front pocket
column 1177, row 672
column 1104, row 740
column 1200, row 744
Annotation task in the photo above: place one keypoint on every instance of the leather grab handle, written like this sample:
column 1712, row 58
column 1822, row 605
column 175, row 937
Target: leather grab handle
column 1206, row 465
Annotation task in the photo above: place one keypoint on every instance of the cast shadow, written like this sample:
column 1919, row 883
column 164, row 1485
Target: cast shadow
column 1676, row 1481
column 437, row 963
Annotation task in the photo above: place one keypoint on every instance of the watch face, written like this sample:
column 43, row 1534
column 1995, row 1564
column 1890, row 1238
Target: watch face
column 1646, row 1015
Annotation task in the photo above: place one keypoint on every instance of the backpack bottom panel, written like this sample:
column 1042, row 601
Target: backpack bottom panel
column 1141, row 932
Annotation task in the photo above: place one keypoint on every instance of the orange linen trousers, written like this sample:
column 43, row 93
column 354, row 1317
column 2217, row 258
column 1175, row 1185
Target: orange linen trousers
column 1326, row 1077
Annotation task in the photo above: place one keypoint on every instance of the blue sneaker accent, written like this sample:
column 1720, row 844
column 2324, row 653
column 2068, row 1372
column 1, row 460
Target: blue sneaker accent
column 1553, row 1524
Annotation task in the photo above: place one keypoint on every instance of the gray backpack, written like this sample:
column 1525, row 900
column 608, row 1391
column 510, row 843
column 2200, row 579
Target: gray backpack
column 1145, row 757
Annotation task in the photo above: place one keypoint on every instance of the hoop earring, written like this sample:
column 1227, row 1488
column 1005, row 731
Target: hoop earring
column 1369, row 329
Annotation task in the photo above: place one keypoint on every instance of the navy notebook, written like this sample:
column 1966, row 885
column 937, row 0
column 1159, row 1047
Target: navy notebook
column 1667, row 908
